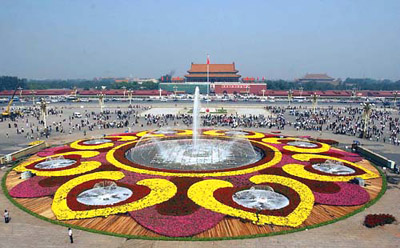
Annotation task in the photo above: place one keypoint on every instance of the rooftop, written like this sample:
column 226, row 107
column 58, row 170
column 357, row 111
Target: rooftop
column 316, row 76
column 229, row 68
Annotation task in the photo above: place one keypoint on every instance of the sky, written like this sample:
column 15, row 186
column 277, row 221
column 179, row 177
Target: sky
column 50, row 39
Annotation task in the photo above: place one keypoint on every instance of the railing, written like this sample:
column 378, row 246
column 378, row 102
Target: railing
column 23, row 152
column 376, row 158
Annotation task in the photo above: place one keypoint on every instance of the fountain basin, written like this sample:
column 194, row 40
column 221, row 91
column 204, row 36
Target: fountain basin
column 183, row 154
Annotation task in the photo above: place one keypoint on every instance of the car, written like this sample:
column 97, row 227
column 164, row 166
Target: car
column 77, row 115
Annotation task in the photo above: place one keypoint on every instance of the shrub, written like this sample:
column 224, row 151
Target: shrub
column 373, row 220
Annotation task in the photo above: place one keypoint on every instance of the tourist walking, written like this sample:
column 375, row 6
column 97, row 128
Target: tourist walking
column 71, row 239
column 6, row 216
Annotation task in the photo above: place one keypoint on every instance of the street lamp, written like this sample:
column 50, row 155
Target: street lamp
column 20, row 95
column 160, row 91
column 101, row 99
column 367, row 110
column 43, row 110
column 301, row 91
column 290, row 96
column 124, row 88
column 33, row 96
column 130, row 93
column 315, row 101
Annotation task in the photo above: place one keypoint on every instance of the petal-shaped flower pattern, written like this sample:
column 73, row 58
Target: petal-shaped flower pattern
column 161, row 190
column 202, row 193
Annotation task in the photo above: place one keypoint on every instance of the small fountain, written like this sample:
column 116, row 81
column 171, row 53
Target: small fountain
column 55, row 163
column 333, row 167
column 260, row 199
column 104, row 193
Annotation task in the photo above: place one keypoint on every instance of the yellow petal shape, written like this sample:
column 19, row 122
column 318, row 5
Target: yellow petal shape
column 202, row 193
column 77, row 146
column 324, row 147
column 122, row 138
column 161, row 190
column 82, row 168
column 298, row 169
column 222, row 133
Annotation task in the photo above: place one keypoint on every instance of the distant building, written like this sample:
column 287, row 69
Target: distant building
column 318, row 78
column 216, row 73
column 238, row 88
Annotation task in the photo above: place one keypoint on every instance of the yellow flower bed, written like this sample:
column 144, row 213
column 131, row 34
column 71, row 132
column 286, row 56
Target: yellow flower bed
column 161, row 190
column 122, row 138
column 202, row 193
column 222, row 133
column 77, row 146
column 82, row 168
column 298, row 169
column 324, row 147
column 37, row 142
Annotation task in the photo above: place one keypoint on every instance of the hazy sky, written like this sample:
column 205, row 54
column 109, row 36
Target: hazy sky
column 275, row 39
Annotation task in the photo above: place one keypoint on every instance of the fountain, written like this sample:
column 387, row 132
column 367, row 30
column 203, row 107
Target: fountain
column 196, row 153
column 196, row 119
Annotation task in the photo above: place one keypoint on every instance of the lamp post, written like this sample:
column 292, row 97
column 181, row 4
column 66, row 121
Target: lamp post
column 43, row 110
column 124, row 88
column 395, row 99
column 314, row 101
column 263, row 91
column 130, row 93
column 160, row 93
column 20, row 95
column 33, row 96
column 367, row 110
column 290, row 96
column 301, row 91
column 101, row 99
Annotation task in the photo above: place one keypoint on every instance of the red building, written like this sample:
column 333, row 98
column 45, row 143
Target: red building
column 216, row 73
column 238, row 88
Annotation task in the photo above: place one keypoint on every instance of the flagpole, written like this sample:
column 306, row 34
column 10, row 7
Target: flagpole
column 208, row 76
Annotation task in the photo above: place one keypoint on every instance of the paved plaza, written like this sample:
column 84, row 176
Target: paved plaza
column 25, row 230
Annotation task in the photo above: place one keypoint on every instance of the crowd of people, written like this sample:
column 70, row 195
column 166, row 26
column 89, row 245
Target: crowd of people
column 381, row 125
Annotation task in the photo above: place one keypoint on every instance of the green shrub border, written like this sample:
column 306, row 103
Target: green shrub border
column 367, row 205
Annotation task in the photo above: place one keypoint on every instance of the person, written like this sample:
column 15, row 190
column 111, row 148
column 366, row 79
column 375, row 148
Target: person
column 71, row 239
column 6, row 216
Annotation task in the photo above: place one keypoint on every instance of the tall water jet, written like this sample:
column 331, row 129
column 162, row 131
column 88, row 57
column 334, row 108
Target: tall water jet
column 196, row 119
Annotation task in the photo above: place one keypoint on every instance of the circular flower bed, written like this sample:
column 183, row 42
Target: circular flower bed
column 305, row 182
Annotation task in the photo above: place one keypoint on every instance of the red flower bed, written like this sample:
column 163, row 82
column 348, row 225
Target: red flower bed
column 373, row 220
column 54, row 150
column 177, row 226
column 179, row 204
column 32, row 188
column 349, row 195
